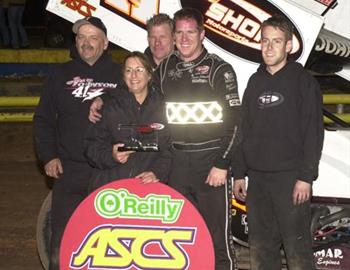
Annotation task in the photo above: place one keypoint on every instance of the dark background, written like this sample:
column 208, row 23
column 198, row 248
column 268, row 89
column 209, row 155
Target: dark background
column 45, row 29
column 35, row 13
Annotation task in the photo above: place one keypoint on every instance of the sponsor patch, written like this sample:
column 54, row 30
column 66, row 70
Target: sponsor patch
column 270, row 99
column 233, row 99
column 229, row 77
column 202, row 69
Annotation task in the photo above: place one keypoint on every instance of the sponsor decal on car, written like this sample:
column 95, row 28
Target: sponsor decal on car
column 137, row 11
column 83, row 7
column 235, row 25
column 333, row 258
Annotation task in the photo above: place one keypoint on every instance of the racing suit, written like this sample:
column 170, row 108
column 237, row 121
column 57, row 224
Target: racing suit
column 202, row 106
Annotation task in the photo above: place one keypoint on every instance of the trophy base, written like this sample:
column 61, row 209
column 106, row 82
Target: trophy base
column 138, row 148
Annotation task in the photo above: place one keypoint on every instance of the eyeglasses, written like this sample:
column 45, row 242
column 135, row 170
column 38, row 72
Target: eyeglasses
column 138, row 70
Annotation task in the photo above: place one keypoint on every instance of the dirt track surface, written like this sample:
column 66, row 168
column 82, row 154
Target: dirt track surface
column 22, row 190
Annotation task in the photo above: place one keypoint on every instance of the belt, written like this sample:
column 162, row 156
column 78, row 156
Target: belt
column 194, row 147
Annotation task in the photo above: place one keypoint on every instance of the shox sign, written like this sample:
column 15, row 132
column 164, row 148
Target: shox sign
column 234, row 25
column 130, row 225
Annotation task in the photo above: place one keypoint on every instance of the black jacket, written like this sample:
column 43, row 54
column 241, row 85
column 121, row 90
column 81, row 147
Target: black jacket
column 149, row 56
column 61, row 118
column 282, row 123
column 205, row 81
column 123, row 108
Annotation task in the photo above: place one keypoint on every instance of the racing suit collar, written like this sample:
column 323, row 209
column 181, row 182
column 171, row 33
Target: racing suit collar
column 187, row 65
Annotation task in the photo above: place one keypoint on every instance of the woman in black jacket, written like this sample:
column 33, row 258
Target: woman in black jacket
column 134, row 115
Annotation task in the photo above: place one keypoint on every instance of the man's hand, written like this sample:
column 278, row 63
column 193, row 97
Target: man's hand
column 216, row 177
column 121, row 157
column 148, row 177
column 240, row 189
column 96, row 105
column 301, row 192
column 54, row 168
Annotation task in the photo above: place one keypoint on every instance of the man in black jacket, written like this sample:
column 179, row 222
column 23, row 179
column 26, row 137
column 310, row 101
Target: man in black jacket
column 60, row 120
column 282, row 137
column 202, row 103
column 160, row 37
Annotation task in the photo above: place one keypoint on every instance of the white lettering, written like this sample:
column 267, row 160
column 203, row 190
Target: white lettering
column 216, row 11
column 236, row 21
column 249, row 28
column 330, row 253
column 338, row 253
column 333, row 47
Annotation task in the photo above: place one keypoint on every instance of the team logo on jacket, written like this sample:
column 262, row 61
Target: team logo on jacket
column 202, row 69
column 175, row 74
column 87, row 88
column 157, row 126
column 233, row 99
column 270, row 99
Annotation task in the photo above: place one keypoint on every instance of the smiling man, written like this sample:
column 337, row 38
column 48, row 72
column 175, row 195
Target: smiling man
column 202, row 105
column 282, row 137
column 91, row 39
column 60, row 121
column 160, row 37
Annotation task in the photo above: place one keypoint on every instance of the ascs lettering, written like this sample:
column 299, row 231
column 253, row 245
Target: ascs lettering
column 120, row 247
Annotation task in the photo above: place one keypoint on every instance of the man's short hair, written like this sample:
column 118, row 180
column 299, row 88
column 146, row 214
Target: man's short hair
column 280, row 22
column 190, row 14
column 159, row 19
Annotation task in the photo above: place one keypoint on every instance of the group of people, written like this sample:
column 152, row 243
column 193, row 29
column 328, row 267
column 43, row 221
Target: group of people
column 207, row 136
column 12, row 32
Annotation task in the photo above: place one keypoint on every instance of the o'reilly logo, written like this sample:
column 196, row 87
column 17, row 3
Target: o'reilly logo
column 111, row 203
column 234, row 25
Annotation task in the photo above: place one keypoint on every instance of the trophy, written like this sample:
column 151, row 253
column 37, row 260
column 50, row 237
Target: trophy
column 141, row 138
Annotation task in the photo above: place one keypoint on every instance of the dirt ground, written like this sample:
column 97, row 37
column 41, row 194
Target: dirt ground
column 22, row 190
